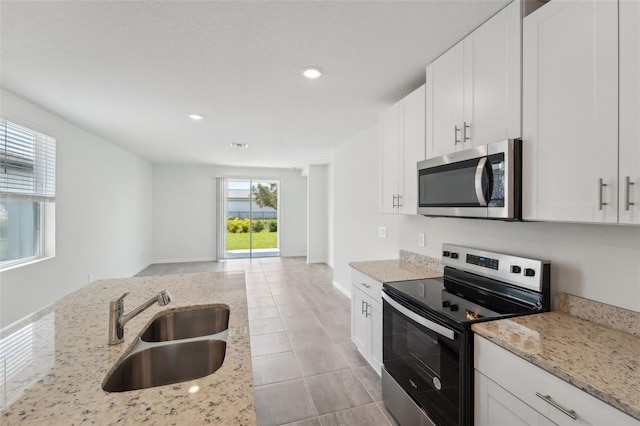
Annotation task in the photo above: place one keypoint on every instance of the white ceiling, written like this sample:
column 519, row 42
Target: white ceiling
column 132, row 71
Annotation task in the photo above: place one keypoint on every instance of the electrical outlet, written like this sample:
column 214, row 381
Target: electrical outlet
column 382, row 231
column 421, row 239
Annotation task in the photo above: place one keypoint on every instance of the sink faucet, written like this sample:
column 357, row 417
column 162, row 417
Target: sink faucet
column 117, row 317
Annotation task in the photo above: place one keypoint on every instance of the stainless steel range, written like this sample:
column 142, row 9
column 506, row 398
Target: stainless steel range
column 427, row 374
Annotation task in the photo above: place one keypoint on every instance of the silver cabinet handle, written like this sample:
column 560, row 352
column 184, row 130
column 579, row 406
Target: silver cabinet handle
column 437, row 328
column 364, row 309
column 455, row 134
column 465, row 126
column 399, row 197
column 547, row 399
column 627, row 193
column 479, row 170
column 365, row 285
column 394, row 201
column 601, row 186
column 367, row 314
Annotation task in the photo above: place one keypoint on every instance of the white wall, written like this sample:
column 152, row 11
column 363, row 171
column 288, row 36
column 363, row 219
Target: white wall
column 103, row 215
column 331, row 218
column 317, row 214
column 599, row 262
column 184, row 210
column 355, row 207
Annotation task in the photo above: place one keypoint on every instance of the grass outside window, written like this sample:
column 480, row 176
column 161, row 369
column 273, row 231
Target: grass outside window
column 260, row 240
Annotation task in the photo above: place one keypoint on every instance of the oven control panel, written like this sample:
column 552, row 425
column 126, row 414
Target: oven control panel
column 520, row 271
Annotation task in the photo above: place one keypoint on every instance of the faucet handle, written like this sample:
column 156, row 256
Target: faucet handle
column 115, row 304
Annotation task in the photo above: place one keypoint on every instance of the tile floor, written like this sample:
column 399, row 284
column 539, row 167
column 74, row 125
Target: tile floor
column 306, row 370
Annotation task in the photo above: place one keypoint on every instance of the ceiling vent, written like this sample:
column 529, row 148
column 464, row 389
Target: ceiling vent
column 238, row 145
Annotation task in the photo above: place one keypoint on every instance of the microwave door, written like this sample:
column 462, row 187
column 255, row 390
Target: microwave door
column 460, row 189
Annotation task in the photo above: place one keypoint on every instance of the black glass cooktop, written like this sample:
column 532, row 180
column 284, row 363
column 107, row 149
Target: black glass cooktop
column 432, row 296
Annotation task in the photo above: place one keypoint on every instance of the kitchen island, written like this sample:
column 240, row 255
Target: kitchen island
column 66, row 358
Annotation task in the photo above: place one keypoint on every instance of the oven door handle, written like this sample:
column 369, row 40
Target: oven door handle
column 437, row 328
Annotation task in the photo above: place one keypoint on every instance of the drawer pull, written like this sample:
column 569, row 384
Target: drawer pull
column 365, row 285
column 547, row 399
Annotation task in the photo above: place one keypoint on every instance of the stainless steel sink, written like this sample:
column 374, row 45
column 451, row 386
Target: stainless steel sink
column 166, row 364
column 176, row 325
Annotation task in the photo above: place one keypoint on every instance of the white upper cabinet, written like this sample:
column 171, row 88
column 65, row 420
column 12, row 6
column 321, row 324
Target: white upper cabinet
column 445, row 102
column 493, row 78
column 389, row 155
column 402, row 132
column 474, row 89
column 629, row 162
column 570, row 112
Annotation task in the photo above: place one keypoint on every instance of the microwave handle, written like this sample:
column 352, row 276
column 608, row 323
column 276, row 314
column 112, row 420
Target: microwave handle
column 482, row 200
column 437, row 328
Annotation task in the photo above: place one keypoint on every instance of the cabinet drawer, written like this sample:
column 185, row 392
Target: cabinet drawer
column 368, row 285
column 523, row 379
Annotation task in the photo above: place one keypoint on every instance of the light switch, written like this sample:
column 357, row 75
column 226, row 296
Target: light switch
column 421, row 239
column 382, row 232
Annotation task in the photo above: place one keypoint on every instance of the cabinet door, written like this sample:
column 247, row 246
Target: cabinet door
column 389, row 161
column 359, row 322
column 413, row 149
column 494, row 406
column 492, row 75
column 570, row 112
column 629, row 179
column 445, row 102
column 375, row 318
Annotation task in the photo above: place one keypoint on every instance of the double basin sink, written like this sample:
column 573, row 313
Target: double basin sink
column 175, row 347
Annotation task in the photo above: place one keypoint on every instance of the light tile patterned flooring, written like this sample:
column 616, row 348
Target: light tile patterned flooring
column 306, row 370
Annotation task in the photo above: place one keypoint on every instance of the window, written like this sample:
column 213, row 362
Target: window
column 27, row 192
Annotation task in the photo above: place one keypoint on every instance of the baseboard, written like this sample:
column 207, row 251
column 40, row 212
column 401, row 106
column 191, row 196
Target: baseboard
column 183, row 260
column 342, row 289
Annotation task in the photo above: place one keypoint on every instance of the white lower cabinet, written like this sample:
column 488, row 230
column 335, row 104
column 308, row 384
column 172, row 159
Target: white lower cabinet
column 511, row 391
column 497, row 407
column 366, row 318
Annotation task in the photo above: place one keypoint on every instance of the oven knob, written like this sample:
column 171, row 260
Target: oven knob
column 515, row 269
column 528, row 272
column 454, row 255
column 445, row 303
column 454, row 307
column 446, row 254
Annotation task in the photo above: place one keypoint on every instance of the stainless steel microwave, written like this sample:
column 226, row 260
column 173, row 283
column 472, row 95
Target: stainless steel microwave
column 481, row 182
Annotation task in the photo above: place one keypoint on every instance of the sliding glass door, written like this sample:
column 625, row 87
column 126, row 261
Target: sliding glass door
column 250, row 212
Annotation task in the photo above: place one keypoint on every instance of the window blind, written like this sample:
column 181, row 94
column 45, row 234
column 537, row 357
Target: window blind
column 27, row 164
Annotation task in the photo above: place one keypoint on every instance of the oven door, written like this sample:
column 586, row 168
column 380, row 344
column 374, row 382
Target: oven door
column 423, row 358
column 458, row 184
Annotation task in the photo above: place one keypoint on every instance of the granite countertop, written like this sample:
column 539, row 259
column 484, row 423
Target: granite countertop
column 69, row 359
column 386, row 271
column 600, row 360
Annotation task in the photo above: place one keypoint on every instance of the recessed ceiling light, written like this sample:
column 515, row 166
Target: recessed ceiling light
column 312, row 73
column 196, row 117
column 238, row 145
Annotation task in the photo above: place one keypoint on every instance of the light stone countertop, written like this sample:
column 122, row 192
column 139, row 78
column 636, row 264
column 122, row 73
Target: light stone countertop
column 601, row 361
column 386, row 271
column 62, row 375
